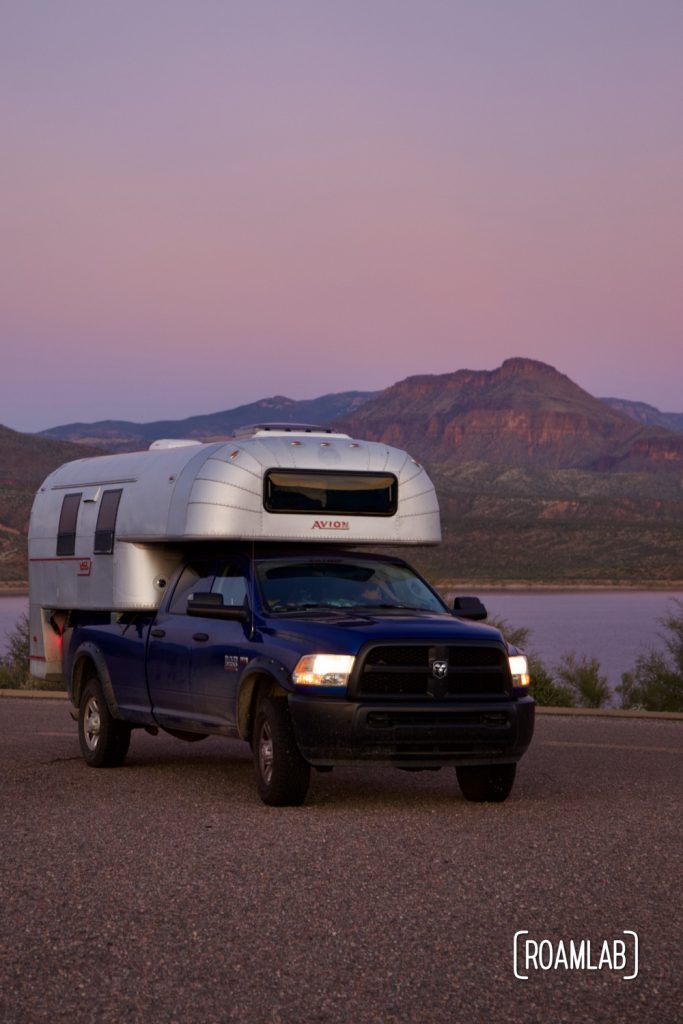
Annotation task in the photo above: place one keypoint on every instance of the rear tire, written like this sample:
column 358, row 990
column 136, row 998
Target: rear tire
column 282, row 775
column 104, row 740
column 487, row 783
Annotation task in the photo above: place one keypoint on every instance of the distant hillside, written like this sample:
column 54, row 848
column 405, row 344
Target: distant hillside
column 645, row 413
column 121, row 435
column 556, row 526
column 524, row 413
column 538, row 481
column 25, row 461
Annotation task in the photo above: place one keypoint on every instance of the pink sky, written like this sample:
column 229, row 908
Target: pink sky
column 205, row 204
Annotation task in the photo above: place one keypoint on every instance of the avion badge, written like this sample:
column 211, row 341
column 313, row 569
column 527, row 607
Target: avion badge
column 331, row 524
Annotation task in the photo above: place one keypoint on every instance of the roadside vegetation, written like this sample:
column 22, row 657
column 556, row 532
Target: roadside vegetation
column 656, row 681
column 584, row 680
column 14, row 674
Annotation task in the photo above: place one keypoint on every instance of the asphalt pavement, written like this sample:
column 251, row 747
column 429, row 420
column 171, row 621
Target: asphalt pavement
column 165, row 891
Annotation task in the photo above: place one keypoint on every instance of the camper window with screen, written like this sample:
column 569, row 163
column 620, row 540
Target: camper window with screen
column 339, row 493
column 106, row 522
column 66, row 532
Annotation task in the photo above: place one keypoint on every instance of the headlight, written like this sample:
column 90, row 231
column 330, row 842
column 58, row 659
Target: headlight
column 323, row 670
column 519, row 669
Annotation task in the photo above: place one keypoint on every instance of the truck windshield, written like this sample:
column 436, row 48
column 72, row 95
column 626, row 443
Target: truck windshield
column 298, row 584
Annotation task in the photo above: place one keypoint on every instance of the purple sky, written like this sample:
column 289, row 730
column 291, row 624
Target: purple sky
column 206, row 203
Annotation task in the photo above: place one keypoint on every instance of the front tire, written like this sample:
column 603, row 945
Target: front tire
column 487, row 783
column 104, row 740
column 282, row 775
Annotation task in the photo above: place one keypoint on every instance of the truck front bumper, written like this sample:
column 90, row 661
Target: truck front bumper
column 331, row 732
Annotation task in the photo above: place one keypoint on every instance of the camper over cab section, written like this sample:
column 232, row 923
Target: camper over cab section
column 106, row 533
column 218, row 589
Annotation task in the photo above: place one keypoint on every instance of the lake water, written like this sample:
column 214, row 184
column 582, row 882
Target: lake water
column 613, row 626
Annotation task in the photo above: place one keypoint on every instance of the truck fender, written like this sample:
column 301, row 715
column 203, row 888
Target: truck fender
column 263, row 677
column 90, row 652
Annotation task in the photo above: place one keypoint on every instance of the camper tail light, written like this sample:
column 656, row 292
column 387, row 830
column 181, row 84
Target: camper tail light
column 323, row 670
column 519, row 669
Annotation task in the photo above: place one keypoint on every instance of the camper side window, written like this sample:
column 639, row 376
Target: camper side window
column 106, row 522
column 66, row 531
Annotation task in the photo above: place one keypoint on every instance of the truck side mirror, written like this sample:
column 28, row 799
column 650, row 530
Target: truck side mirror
column 469, row 608
column 211, row 606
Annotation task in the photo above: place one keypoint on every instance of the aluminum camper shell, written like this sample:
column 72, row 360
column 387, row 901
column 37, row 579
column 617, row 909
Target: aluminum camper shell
column 178, row 493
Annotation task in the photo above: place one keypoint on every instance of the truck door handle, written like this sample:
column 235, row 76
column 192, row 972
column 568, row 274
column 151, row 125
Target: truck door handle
column 158, row 632
column 200, row 636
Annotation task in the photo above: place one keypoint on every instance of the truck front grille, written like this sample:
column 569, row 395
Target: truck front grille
column 433, row 671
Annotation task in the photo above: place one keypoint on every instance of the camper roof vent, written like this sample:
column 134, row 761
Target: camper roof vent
column 282, row 429
column 171, row 442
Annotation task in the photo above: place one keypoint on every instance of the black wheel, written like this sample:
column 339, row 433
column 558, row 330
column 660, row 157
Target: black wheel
column 282, row 775
column 487, row 783
column 104, row 740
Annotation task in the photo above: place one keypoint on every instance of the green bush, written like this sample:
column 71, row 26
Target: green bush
column 583, row 678
column 14, row 664
column 543, row 688
column 656, row 681
column 518, row 636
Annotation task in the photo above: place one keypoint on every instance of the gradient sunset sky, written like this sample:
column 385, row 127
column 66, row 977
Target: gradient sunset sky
column 208, row 203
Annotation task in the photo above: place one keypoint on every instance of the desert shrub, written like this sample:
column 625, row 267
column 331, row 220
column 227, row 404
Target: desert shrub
column 543, row 688
column 546, row 690
column 656, row 681
column 518, row 636
column 14, row 664
column 583, row 678
column 673, row 638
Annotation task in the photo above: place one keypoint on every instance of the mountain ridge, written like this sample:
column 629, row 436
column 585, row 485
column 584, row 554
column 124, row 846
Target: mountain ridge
column 532, row 377
column 120, row 435
column 524, row 412
column 645, row 413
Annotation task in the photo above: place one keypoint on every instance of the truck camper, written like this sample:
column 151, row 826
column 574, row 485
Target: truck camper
column 234, row 589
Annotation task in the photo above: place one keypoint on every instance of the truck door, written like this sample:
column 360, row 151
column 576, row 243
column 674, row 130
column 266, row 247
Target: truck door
column 169, row 652
column 220, row 652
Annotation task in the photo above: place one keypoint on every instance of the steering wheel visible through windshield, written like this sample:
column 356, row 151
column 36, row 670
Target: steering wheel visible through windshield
column 300, row 584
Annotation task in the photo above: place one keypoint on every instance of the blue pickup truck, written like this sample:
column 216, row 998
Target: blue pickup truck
column 316, row 657
column 233, row 589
